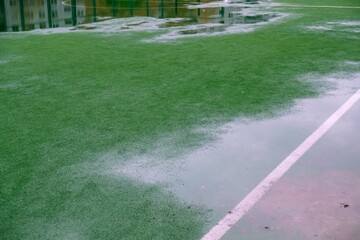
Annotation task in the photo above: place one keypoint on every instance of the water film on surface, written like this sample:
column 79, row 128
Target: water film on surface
column 186, row 16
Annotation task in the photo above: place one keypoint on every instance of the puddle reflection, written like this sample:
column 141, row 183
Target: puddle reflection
column 25, row 15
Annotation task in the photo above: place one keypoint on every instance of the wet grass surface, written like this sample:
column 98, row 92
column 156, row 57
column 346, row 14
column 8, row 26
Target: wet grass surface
column 67, row 98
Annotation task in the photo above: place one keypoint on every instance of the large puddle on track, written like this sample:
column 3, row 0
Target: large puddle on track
column 223, row 172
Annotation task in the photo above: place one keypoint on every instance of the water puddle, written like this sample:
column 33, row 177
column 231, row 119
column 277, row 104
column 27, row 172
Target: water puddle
column 183, row 18
column 224, row 171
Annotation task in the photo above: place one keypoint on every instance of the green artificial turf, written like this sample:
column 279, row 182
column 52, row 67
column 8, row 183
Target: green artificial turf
column 68, row 98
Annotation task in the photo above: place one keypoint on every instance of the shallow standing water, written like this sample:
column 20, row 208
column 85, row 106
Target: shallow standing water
column 25, row 15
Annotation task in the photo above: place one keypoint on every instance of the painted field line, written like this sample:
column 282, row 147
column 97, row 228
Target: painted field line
column 255, row 195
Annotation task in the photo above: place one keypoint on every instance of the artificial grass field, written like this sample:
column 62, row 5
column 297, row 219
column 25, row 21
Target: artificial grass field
column 68, row 99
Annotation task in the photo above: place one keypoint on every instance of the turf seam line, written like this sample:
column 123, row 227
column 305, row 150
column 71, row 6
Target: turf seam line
column 233, row 216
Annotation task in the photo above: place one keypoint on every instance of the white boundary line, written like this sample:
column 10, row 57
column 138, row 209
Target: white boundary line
column 249, row 201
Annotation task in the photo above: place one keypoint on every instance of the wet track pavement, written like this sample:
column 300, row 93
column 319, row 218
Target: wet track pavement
column 318, row 198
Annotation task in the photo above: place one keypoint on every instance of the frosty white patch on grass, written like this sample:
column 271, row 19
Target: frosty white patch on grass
column 146, row 169
column 352, row 63
column 26, row 85
column 59, row 227
column 321, row 28
column 7, row 59
column 335, row 83
column 340, row 26
column 351, row 24
column 353, row 30
column 10, row 85
column 151, row 163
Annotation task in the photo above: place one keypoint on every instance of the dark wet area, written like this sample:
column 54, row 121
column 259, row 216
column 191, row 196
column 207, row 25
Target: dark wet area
column 25, row 15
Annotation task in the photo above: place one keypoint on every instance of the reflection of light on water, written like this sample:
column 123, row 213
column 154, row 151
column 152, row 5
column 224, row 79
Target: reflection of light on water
column 61, row 13
column 176, row 27
column 228, row 26
column 40, row 15
column 208, row 19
